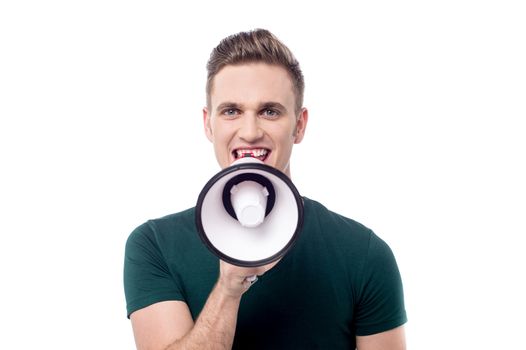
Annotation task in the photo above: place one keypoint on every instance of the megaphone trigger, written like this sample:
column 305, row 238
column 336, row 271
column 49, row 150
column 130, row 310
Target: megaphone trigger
column 252, row 279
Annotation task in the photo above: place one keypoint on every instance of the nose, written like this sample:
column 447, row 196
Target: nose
column 250, row 131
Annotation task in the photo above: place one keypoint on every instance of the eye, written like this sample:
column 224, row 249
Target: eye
column 270, row 113
column 230, row 112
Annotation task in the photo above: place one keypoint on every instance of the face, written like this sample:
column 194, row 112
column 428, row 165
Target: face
column 252, row 112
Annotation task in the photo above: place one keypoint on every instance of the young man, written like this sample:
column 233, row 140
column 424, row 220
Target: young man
column 337, row 288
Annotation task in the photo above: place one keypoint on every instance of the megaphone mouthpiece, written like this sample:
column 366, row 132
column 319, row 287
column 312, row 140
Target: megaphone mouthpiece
column 249, row 200
column 248, row 190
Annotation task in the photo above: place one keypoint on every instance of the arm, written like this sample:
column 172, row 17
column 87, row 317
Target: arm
column 169, row 325
column 381, row 308
column 393, row 339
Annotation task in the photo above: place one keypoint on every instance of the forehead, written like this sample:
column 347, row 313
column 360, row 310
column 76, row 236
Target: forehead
column 252, row 83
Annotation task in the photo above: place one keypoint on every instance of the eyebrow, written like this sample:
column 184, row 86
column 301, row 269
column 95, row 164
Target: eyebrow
column 273, row 105
column 227, row 105
column 270, row 104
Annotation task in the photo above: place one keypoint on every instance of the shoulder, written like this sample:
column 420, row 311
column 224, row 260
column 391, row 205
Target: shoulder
column 153, row 255
column 157, row 231
column 344, row 236
column 183, row 219
column 367, row 260
column 329, row 216
column 333, row 224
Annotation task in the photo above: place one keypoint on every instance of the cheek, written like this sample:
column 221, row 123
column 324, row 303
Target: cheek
column 284, row 143
column 219, row 131
column 222, row 138
column 282, row 131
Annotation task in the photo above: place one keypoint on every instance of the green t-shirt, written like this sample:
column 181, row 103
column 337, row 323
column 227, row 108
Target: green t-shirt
column 339, row 280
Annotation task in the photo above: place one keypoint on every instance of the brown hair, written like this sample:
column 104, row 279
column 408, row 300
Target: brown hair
column 258, row 45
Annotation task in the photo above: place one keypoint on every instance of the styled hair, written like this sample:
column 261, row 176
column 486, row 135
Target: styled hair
column 255, row 46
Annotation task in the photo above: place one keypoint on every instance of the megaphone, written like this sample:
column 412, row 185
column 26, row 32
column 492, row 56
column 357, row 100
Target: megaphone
column 249, row 214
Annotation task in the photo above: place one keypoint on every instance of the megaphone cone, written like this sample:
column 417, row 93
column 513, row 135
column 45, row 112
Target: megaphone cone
column 249, row 214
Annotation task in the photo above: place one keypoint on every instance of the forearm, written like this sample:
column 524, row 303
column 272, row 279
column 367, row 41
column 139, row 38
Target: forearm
column 216, row 325
column 169, row 325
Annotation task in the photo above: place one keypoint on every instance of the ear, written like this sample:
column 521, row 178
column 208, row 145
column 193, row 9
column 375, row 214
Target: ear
column 206, row 124
column 301, row 125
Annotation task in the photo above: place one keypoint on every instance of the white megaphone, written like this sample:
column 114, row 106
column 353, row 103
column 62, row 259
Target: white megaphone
column 249, row 214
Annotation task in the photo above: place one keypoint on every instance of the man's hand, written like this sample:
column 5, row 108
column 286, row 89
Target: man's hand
column 234, row 280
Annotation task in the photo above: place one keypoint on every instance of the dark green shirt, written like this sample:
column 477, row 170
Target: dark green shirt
column 338, row 281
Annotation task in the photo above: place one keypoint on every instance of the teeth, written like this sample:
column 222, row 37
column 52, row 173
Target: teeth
column 260, row 152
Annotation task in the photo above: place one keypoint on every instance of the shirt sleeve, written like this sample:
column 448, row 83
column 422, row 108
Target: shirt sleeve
column 381, row 300
column 147, row 278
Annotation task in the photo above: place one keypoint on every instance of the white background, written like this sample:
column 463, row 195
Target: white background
column 416, row 129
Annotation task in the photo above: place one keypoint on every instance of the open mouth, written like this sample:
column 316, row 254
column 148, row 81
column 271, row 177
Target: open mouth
column 259, row 153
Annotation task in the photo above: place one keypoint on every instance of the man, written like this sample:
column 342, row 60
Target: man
column 337, row 288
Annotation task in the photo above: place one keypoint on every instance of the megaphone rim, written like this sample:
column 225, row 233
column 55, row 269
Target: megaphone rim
column 249, row 166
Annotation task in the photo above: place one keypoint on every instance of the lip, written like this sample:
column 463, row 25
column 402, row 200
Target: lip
column 234, row 151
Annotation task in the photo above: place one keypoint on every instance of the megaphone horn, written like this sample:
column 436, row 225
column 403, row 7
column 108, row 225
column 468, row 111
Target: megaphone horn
column 249, row 214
